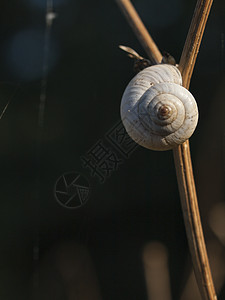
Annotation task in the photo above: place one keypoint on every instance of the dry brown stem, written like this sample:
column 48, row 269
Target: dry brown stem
column 182, row 157
column 193, row 40
column 140, row 30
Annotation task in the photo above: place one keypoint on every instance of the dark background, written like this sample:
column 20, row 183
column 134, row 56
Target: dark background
column 139, row 202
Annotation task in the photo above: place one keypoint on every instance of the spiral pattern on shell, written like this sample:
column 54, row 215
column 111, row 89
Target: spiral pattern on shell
column 157, row 112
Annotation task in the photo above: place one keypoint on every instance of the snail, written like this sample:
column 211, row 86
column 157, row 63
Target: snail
column 157, row 112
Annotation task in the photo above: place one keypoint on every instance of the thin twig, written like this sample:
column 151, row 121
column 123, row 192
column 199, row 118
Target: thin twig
column 140, row 30
column 217, row 262
column 193, row 40
column 182, row 157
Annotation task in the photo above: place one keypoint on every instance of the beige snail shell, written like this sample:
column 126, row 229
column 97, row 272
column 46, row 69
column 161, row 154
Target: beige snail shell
column 157, row 112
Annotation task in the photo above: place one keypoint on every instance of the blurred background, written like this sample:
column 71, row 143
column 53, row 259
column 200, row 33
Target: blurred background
column 126, row 240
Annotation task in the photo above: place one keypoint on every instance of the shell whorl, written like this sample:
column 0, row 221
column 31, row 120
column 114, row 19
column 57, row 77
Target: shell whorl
column 157, row 112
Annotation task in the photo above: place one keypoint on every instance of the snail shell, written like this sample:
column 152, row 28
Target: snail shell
column 157, row 112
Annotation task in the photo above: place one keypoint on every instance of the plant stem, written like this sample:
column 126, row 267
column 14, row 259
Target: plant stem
column 189, row 202
column 182, row 160
column 182, row 157
column 140, row 30
column 193, row 40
